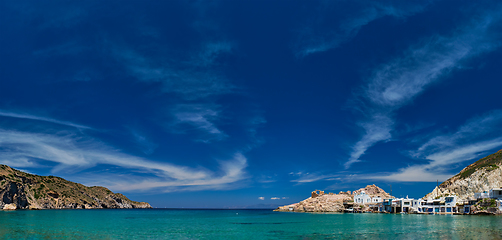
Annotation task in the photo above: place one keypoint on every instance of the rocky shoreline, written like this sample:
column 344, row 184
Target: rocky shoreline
column 20, row 190
column 344, row 202
column 468, row 186
column 319, row 201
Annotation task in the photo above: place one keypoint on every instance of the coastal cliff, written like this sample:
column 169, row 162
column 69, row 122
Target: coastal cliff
column 480, row 176
column 330, row 202
column 20, row 190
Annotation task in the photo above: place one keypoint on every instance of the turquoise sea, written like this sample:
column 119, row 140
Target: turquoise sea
column 239, row 224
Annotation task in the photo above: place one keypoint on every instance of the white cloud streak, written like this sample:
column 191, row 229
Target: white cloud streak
column 191, row 80
column 473, row 139
column 313, row 40
column 230, row 173
column 410, row 174
column 398, row 82
column 27, row 116
column 145, row 145
column 194, row 81
column 476, row 138
column 198, row 116
column 376, row 130
column 211, row 52
column 312, row 177
column 72, row 152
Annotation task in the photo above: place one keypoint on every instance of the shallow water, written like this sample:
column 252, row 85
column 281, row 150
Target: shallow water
column 239, row 224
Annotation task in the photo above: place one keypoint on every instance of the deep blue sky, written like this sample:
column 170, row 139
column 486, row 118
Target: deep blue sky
column 249, row 103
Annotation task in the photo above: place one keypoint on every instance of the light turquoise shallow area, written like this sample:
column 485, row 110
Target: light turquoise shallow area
column 239, row 224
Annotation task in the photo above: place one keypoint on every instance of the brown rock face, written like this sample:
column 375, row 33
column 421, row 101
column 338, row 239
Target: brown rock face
column 321, row 202
column 480, row 176
column 21, row 190
column 372, row 191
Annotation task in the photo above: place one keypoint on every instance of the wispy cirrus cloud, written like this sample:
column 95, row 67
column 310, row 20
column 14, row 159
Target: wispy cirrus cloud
column 145, row 145
column 21, row 115
column 376, row 130
column 210, row 53
column 409, row 174
column 231, row 173
column 312, row 177
column 200, row 117
column 471, row 140
column 73, row 152
column 476, row 138
column 397, row 83
column 315, row 37
column 191, row 77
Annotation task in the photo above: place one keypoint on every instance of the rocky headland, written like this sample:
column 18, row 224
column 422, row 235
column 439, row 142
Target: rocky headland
column 482, row 175
column 331, row 202
column 478, row 177
column 20, row 190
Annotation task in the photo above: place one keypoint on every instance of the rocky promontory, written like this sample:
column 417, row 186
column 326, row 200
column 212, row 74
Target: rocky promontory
column 480, row 176
column 331, row 202
column 20, row 190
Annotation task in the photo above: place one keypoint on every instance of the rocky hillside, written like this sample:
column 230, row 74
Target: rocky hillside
column 330, row 202
column 20, row 190
column 373, row 191
column 480, row 176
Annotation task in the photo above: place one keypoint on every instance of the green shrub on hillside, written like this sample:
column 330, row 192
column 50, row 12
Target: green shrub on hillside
column 490, row 163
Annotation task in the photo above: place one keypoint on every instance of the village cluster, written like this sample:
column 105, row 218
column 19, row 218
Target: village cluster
column 440, row 205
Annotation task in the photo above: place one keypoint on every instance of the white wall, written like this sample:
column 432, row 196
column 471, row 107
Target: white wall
column 362, row 198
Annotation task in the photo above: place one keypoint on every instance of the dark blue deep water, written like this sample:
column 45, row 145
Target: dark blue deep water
column 239, row 224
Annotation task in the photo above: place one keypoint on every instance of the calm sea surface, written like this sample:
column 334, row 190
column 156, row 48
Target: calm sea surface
column 239, row 224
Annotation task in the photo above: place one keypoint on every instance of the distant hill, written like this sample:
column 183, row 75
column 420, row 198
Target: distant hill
column 482, row 175
column 20, row 190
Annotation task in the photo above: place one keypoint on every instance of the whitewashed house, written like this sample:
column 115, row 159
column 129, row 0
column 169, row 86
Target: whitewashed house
column 443, row 205
column 492, row 193
column 495, row 193
column 480, row 195
column 405, row 205
column 376, row 199
column 362, row 198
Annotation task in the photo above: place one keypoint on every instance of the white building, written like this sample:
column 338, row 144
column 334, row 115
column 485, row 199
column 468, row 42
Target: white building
column 376, row 199
column 443, row 205
column 480, row 195
column 406, row 205
column 492, row 193
column 362, row 198
column 465, row 205
column 495, row 193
